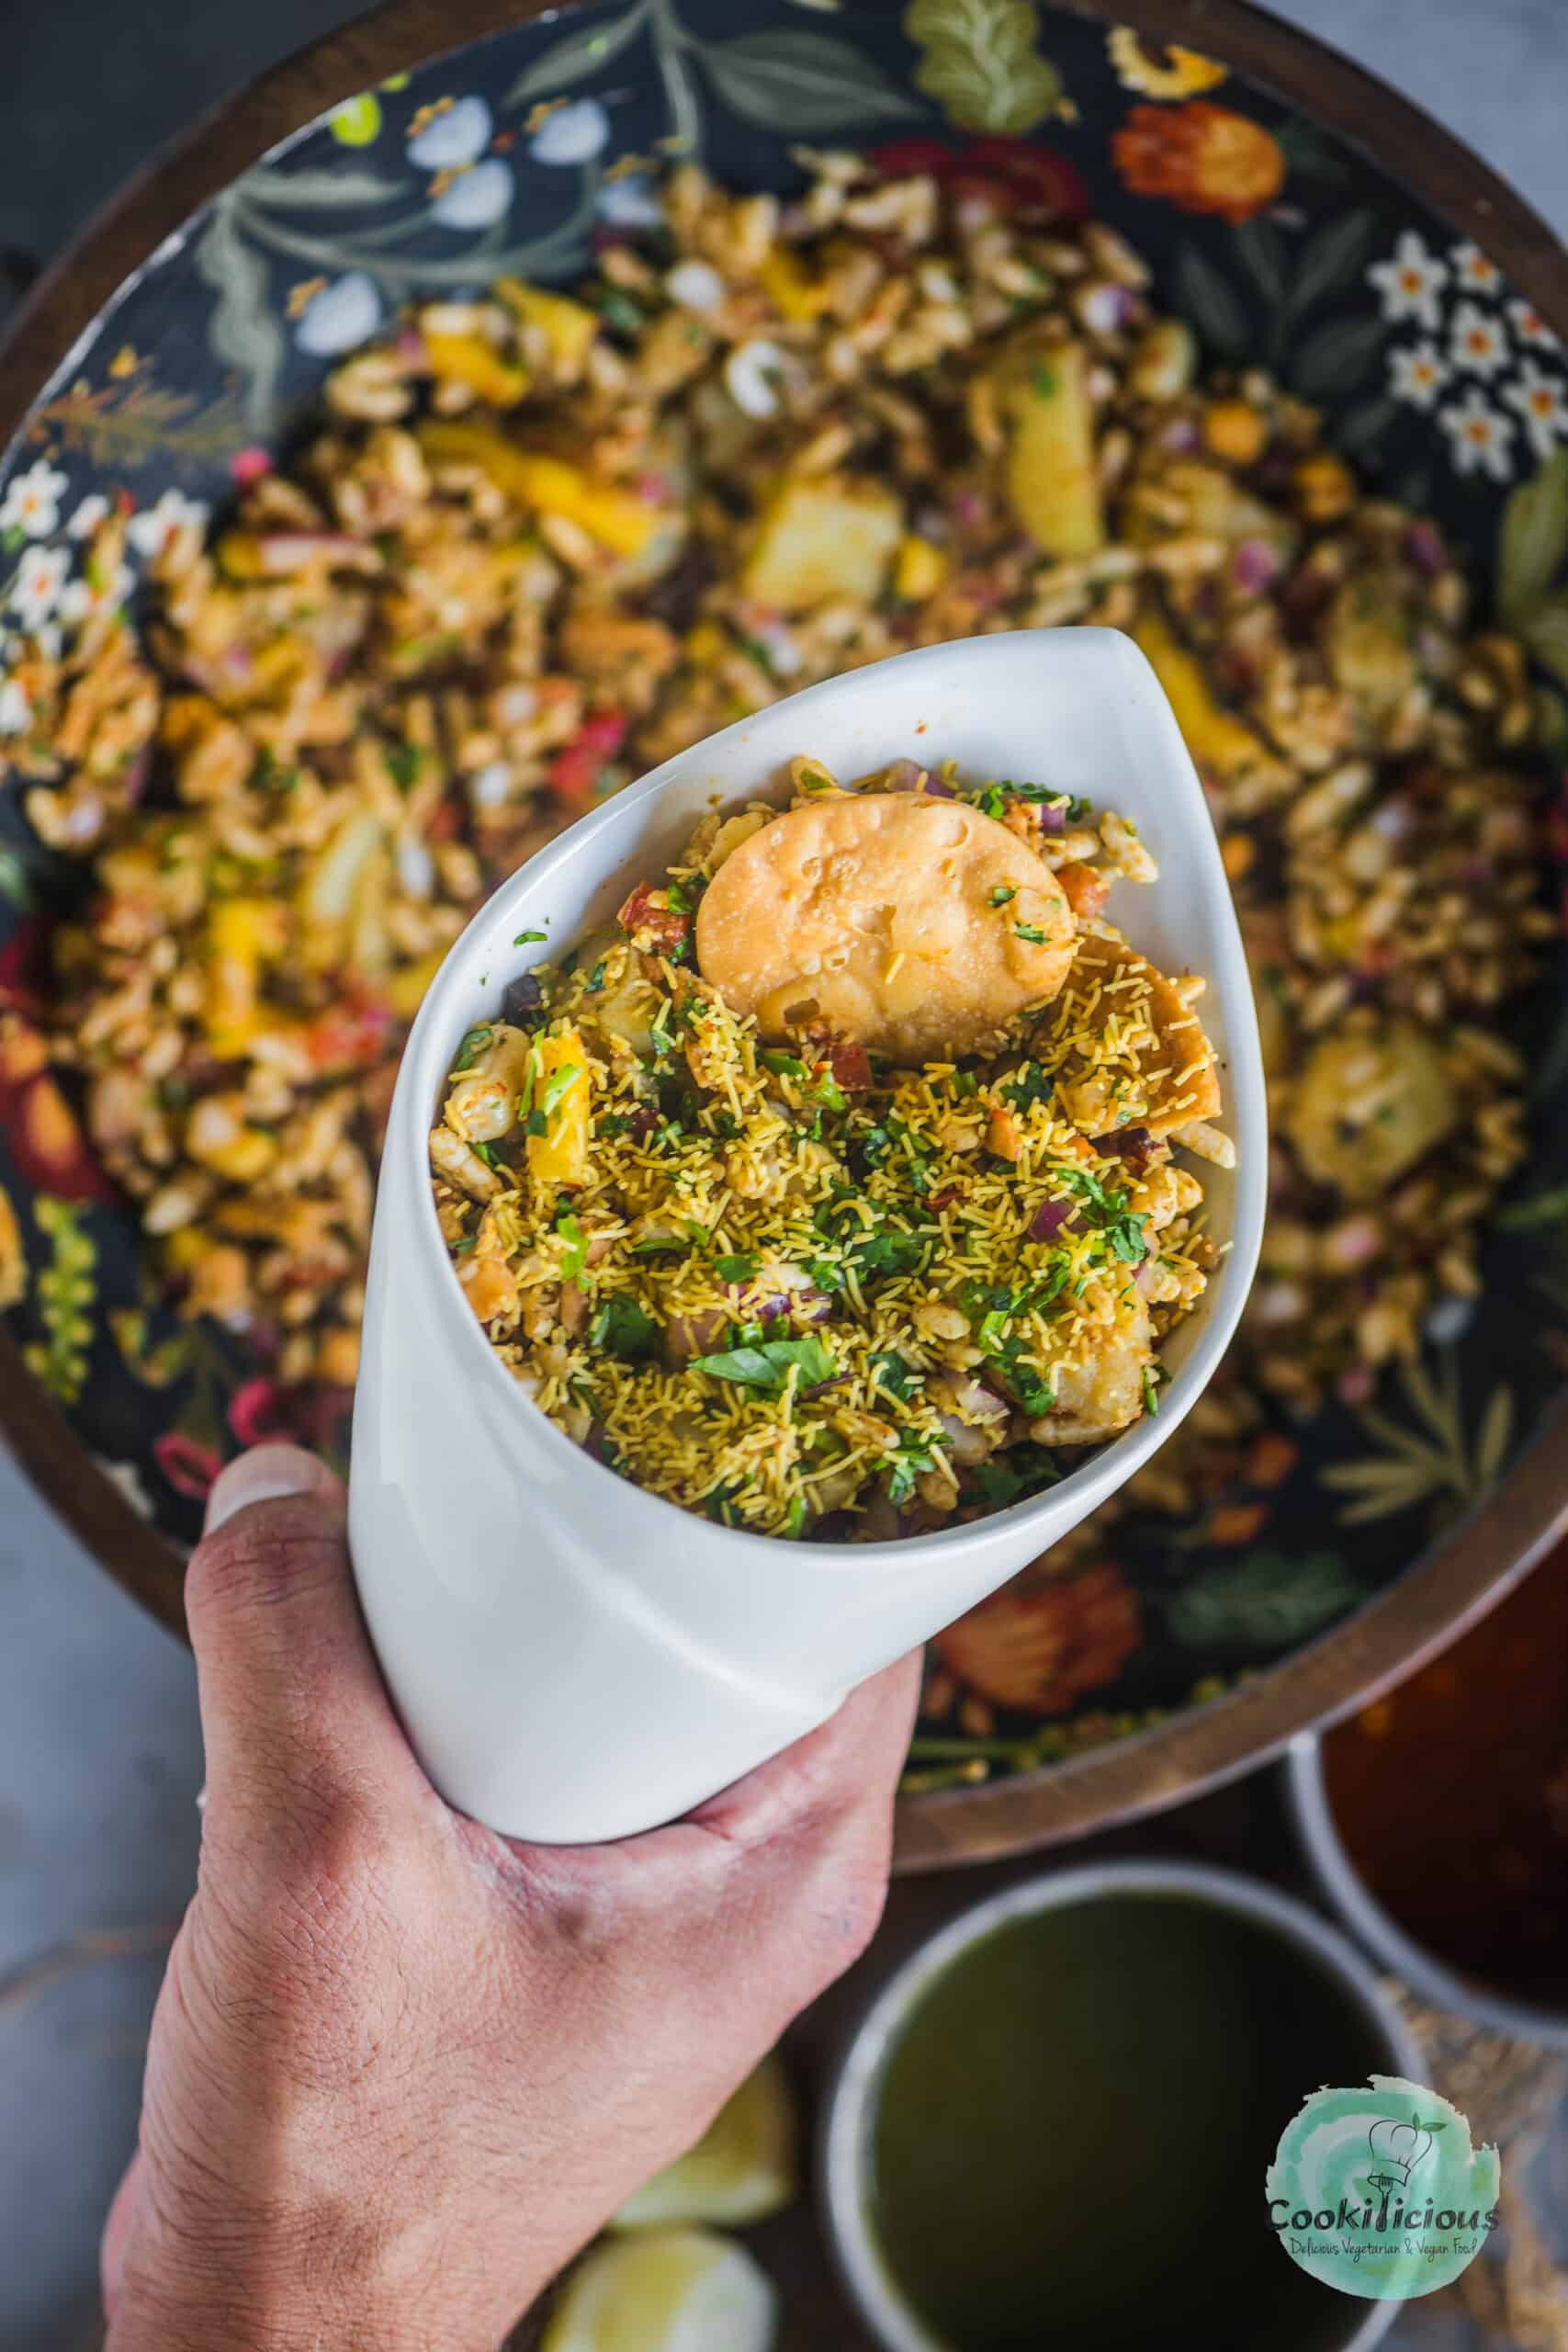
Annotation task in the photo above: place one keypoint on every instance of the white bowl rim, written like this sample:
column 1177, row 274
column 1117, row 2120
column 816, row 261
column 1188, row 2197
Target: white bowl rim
column 1246, row 1113
column 850, row 2101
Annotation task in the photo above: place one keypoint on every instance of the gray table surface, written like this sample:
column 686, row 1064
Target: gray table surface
column 100, row 1750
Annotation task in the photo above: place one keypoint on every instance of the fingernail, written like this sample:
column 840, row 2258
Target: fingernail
column 263, row 1476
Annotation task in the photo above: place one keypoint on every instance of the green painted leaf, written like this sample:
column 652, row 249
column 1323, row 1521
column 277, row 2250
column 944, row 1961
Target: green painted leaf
column 1550, row 1207
column 1265, row 1601
column 1545, row 631
column 1334, row 357
column 1534, row 538
column 1362, row 427
column 981, row 63
column 1205, row 297
column 1308, row 153
column 15, row 883
column 1331, row 257
column 1262, row 248
column 575, row 58
column 244, row 328
column 1492, row 1434
column 800, row 82
column 319, row 191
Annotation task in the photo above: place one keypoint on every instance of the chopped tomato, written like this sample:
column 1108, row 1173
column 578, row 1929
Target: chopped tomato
column 575, row 771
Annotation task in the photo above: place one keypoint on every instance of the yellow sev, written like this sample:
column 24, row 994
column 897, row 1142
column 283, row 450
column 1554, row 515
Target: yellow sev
column 734, row 1225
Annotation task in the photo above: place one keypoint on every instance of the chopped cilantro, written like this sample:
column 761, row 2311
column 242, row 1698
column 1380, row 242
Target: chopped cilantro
column 740, row 1266
column 1022, row 1470
column 894, row 1376
column 1028, row 1085
column 537, row 1124
column 1043, row 380
column 769, row 1364
column 1003, row 895
column 556, row 1086
column 618, row 310
column 622, row 1328
column 472, row 1046
column 523, row 937
column 404, row 762
column 1031, row 932
column 1151, row 1391
column 575, row 1262
column 486, row 1152
column 783, row 1065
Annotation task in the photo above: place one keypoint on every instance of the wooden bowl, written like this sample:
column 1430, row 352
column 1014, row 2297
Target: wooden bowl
column 122, row 1457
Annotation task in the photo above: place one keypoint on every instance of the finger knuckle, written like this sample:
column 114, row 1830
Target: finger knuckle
column 262, row 1556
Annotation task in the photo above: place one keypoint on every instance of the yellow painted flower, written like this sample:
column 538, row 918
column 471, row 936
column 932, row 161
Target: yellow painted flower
column 125, row 361
column 302, row 295
column 13, row 1262
column 1161, row 70
column 1201, row 158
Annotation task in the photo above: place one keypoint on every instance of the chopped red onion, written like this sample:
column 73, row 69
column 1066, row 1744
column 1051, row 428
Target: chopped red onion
column 1048, row 1219
column 1425, row 548
column 1053, row 816
column 1255, row 566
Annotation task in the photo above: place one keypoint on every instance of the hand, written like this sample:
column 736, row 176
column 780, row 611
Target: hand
column 401, row 2068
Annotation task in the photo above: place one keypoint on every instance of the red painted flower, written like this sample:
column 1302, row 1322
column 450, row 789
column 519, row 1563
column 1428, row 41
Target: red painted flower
column 1044, row 1640
column 188, row 1466
column 249, row 465
column 1026, row 182
column 1201, row 158
column 258, row 1413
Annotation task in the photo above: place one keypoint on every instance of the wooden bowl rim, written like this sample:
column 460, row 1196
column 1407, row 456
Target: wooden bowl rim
column 1432, row 1602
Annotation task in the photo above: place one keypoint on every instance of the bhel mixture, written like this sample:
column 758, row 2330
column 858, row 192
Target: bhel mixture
column 539, row 542
column 830, row 1189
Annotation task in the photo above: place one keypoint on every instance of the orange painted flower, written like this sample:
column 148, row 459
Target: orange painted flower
column 1201, row 157
column 1044, row 1640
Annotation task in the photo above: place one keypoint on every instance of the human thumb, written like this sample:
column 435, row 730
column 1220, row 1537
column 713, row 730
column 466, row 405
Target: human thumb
column 290, row 1695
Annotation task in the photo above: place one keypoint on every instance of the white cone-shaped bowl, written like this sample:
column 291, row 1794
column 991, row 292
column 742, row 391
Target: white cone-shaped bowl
column 576, row 1659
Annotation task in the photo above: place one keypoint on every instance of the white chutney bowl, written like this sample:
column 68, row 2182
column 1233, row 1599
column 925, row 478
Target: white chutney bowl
column 575, row 1660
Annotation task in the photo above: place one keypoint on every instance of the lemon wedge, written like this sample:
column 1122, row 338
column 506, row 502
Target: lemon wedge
column 741, row 2169
column 665, row 2290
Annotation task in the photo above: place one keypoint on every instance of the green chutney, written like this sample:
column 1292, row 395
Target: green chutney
column 1071, row 2129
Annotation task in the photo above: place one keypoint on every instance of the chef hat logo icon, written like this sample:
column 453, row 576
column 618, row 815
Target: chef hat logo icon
column 1397, row 2148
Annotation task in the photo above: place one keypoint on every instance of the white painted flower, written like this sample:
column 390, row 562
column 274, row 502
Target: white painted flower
column 16, row 711
column 1476, row 341
column 1417, row 373
column 1410, row 282
column 101, row 589
column 1529, row 326
column 1537, row 399
column 128, row 1478
column 455, row 135
column 630, row 203
column 40, row 576
column 346, row 312
column 87, row 516
column 1481, row 437
column 49, row 640
column 150, row 532
column 1473, row 271
column 696, row 286
column 571, row 134
column 31, row 503
column 477, row 198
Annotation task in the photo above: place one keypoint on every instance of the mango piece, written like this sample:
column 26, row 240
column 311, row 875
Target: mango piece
column 1222, row 744
column 829, row 536
column 1052, row 477
column 920, row 569
column 242, row 934
column 790, row 287
column 407, row 988
column 550, row 485
column 567, row 326
column 469, row 360
column 562, row 1096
